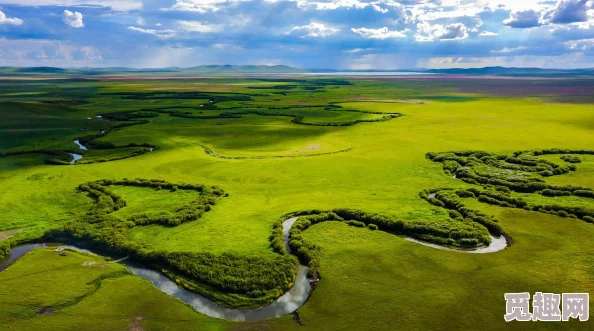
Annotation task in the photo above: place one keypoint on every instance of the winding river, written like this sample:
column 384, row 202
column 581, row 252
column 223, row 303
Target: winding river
column 76, row 157
column 282, row 306
column 81, row 146
column 496, row 245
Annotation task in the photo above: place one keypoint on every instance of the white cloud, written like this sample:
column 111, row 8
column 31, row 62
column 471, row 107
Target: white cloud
column 90, row 53
column 45, row 52
column 514, row 5
column 200, row 6
column 488, row 34
column 381, row 33
column 580, row 45
column 570, row 11
column 118, row 5
column 358, row 50
column 331, row 5
column 9, row 20
column 452, row 32
column 510, row 50
column 523, row 19
column 428, row 32
column 468, row 10
column 158, row 33
column 71, row 19
column 196, row 26
column 314, row 30
column 577, row 60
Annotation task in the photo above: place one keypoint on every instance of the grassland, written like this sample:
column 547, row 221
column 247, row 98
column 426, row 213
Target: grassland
column 370, row 279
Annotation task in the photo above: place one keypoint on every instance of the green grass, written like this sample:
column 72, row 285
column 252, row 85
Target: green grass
column 146, row 200
column 64, row 286
column 370, row 279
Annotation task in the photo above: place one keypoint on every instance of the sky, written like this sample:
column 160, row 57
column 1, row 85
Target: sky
column 335, row 34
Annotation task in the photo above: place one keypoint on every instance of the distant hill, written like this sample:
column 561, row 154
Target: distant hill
column 282, row 69
column 205, row 69
column 503, row 71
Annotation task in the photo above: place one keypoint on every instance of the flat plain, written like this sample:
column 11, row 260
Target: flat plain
column 274, row 146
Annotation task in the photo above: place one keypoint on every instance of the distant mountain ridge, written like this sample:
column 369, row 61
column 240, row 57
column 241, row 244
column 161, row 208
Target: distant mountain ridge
column 205, row 69
column 283, row 69
column 504, row 71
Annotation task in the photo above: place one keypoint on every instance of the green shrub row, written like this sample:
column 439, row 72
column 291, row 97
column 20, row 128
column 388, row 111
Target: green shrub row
column 449, row 199
column 571, row 158
column 161, row 95
column 463, row 164
column 232, row 280
column 466, row 165
column 455, row 232
column 235, row 273
column 108, row 202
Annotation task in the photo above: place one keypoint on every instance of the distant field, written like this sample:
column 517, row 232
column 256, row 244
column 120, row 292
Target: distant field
column 276, row 146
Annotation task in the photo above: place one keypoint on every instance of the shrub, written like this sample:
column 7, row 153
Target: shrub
column 584, row 193
column 554, row 193
column 357, row 224
column 571, row 159
column 4, row 249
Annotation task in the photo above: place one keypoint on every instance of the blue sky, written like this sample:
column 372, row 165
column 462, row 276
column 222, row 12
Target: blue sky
column 348, row 34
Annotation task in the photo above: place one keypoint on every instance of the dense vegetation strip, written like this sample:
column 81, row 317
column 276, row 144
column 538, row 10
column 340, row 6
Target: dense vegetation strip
column 521, row 172
column 229, row 279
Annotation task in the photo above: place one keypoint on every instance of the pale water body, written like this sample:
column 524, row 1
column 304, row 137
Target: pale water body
column 81, row 146
column 497, row 244
column 362, row 73
column 75, row 157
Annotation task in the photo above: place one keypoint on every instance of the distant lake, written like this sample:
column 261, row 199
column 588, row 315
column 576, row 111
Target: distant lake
column 370, row 73
column 338, row 73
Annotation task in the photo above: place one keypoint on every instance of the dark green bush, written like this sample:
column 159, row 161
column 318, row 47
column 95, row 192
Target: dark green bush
column 571, row 159
column 357, row 224
column 4, row 249
column 554, row 193
column 584, row 193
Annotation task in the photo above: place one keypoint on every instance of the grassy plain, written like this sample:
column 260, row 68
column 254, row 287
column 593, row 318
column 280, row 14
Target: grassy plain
column 370, row 279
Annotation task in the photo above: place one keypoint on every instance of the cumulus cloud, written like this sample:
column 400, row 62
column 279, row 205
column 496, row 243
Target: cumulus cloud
column 71, row 19
column 427, row 32
column 523, row 19
column 570, row 11
column 314, row 30
column 381, row 33
column 452, row 31
column 8, row 20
